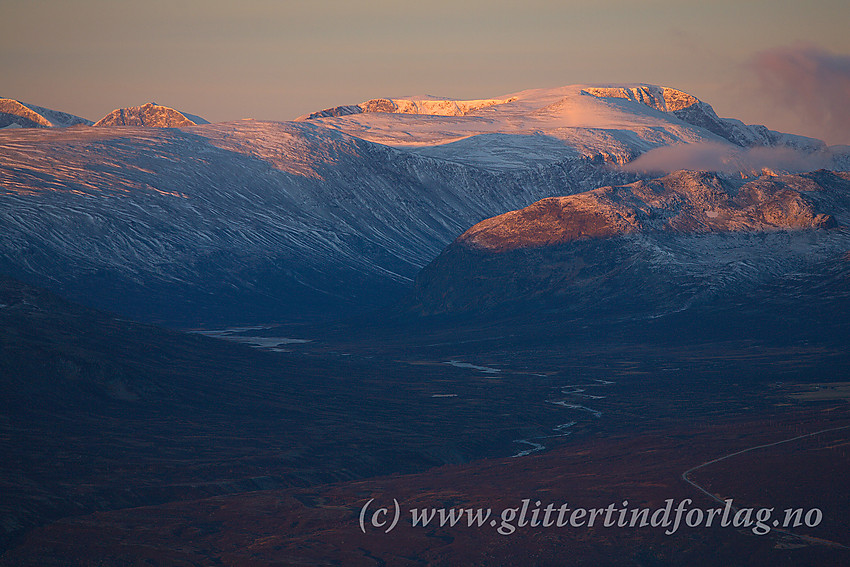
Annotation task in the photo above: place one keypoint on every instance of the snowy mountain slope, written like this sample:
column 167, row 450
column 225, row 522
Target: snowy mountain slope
column 248, row 220
column 150, row 114
column 17, row 114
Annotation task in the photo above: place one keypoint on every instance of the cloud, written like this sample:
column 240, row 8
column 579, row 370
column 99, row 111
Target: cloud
column 810, row 82
column 726, row 158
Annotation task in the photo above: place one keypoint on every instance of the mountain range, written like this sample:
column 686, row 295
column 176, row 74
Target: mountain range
column 333, row 213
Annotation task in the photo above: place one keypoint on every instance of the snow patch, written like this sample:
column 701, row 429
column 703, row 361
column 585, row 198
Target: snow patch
column 485, row 369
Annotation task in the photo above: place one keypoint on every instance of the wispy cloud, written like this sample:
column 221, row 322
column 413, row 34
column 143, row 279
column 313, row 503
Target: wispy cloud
column 810, row 82
column 728, row 159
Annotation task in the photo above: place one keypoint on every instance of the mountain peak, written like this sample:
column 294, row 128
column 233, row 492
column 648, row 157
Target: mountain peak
column 615, row 123
column 17, row 114
column 150, row 114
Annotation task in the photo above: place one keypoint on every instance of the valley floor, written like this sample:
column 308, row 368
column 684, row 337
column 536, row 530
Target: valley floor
column 140, row 446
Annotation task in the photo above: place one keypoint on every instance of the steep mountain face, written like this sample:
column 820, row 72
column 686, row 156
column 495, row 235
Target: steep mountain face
column 17, row 114
column 150, row 114
column 644, row 249
column 253, row 221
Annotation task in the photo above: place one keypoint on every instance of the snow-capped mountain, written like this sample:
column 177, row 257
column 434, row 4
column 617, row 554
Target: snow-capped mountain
column 17, row 114
column 256, row 221
column 150, row 114
column 548, row 125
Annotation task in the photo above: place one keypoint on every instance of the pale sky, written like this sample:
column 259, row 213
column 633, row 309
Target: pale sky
column 277, row 60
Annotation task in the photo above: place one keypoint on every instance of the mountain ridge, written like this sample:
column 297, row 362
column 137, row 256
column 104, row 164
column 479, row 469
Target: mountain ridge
column 684, row 202
column 643, row 250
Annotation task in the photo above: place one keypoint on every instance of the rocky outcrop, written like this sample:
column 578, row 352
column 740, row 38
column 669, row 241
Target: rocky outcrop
column 429, row 107
column 686, row 202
